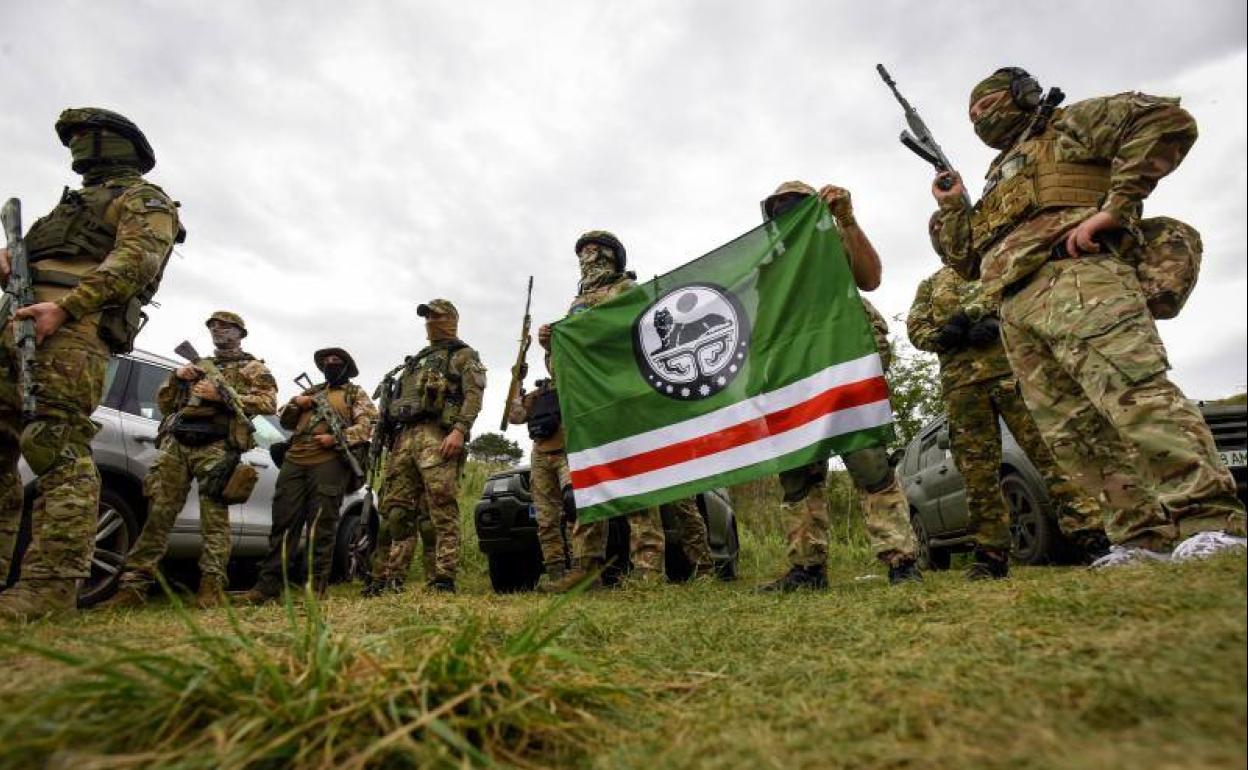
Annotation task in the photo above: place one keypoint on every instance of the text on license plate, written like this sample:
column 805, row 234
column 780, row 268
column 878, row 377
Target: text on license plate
column 1234, row 458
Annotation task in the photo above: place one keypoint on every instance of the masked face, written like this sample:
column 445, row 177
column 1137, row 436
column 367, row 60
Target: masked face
column 439, row 328
column 113, row 152
column 225, row 336
column 784, row 204
column 596, row 261
column 999, row 123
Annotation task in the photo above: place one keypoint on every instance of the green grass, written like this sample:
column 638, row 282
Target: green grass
column 1055, row 668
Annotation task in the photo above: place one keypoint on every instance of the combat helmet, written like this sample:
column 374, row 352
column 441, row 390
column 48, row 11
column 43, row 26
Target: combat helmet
column 98, row 118
column 788, row 188
column 604, row 238
column 225, row 316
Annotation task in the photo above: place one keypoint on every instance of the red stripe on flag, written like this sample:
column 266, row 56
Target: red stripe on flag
column 831, row 400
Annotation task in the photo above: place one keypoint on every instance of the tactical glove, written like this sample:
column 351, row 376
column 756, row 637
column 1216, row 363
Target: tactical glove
column 984, row 333
column 952, row 335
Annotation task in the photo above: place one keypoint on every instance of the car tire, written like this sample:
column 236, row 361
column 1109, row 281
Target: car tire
column 726, row 570
column 116, row 530
column 929, row 557
column 515, row 571
column 346, row 567
column 1034, row 538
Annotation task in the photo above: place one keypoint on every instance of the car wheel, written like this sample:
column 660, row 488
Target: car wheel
column 116, row 529
column 929, row 558
column 1033, row 535
column 514, row 572
column 727, row 569
column 347, row 562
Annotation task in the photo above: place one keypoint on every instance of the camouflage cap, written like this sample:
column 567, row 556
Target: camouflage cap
column 794, row 187
column 436, row 307
column 98, row 117
column 997, row 81
column 933, row 231
column 319, row 357
column 225, row 316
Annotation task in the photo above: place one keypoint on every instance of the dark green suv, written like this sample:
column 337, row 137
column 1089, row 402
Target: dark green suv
column 506, row 524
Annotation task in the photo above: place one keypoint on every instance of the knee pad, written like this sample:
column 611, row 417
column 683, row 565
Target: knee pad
column 43, row 443
column 798, row 482
column 869, row 468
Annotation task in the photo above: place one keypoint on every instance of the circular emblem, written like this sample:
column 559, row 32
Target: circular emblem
column 691, row 342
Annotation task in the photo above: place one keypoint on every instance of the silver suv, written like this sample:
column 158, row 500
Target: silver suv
column 125, row 448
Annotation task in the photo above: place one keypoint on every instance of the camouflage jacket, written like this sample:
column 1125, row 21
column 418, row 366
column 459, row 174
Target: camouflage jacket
column 467, row 364
column 146, row 221
column 592, row 296
column 939, row 298
column 879, row 330
column 1134, row 138
column 353, row 407
column 248, row 376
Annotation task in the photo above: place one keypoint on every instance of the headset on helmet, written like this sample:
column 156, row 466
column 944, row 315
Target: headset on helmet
column 97, row 118
column 1024, row 89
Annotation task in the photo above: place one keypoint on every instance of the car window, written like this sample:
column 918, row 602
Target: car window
column 114, row 382
column 932, row 454
column 268, row 430
column 145, row 380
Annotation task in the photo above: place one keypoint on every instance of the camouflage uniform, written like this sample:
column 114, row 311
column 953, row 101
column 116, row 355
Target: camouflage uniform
column 979, row 388
column 440, row 390
column 548, row 478
column 120, row 230
column 1078, row 332
column 183, row 459
column 602, row 280
column 313, row 479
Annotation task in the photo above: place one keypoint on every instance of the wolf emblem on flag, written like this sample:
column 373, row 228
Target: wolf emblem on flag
column 692, row 341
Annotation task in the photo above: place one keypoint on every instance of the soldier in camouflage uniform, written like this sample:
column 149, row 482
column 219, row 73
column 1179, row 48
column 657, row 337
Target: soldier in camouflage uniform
column 951, row 317
column 437, row 399
column 805, row 498
column 201, row 441
column 550, row 481
column 1075, row 322
column 314, row 475
column 94, row 255
column 602, row 259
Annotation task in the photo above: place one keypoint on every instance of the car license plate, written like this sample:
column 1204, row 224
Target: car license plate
column 1234, row 458
column 533, row 513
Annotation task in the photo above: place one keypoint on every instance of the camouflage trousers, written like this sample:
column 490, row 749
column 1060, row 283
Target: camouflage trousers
column 69, row 383
column 166, row 486
column 419, row 479
column 548, row 476
column 975, row 441
column 693, row 535
column 1092, row 370
column 306, row 498
column 645, row 541
column 805, row 507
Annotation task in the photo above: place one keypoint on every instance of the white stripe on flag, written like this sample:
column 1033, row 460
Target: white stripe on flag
column 832, row 424
column 746, row 410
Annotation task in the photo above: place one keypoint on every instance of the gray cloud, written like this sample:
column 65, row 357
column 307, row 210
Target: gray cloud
column 339, row 163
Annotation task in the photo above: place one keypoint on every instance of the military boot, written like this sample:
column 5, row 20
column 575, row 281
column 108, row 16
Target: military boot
column 33, row 599
column 129, row 596
column 211, row 592
column 555, row 572
column 814, row 577
column 443, row 585
column 904, row 571
column 255, row 596
column 573, row 577
column 989, row 564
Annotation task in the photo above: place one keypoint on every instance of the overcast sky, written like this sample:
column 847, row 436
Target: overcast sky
column 338, row 163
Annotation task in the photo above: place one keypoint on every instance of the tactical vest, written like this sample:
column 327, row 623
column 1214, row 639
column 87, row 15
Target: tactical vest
column 1031, row 180
column 545, row 417
column 72, row 240
column 427, row 388
column 202, row 422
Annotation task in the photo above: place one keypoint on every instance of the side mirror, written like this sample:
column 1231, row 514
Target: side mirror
column 942, row 439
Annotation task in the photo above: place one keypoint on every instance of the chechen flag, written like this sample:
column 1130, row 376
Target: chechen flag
column 750, row 360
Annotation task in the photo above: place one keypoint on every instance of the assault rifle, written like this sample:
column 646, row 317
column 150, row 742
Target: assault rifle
column 521, row 367
column 322, row 411
column 19, row 293
column 921, row 142
column 228, row 395
column 361, row 543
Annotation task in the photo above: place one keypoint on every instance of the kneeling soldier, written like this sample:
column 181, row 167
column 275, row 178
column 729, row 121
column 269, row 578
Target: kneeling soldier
column 201, row 440
column 316, row 471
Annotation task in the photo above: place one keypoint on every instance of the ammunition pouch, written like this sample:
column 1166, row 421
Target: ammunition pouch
column 1167, row 262
column 277, row 452
column 120, row 325
column 545, row 419
column 196, row 433
column 230, row 481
